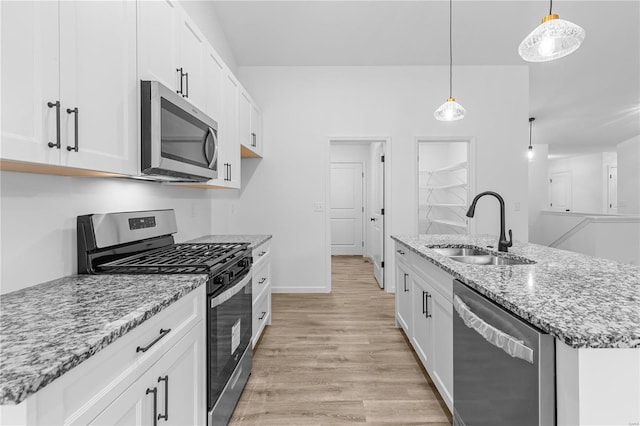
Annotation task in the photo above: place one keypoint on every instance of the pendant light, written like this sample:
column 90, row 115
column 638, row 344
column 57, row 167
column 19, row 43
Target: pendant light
column 552, row 39
column 450, row 110
column 530, row 150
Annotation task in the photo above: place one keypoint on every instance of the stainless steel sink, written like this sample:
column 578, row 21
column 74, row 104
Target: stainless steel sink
column 460, row 251
column 488, row 259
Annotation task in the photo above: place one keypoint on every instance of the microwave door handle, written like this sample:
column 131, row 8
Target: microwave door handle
column 211, row 139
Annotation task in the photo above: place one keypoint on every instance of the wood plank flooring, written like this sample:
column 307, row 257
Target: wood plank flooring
column 332, row 359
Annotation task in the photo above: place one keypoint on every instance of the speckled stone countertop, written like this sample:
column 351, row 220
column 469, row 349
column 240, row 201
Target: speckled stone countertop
column 50, row 328
column 36, row 344
column 253, row 240
column 586, row 302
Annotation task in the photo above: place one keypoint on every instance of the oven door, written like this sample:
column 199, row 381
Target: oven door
column 179, row 142
column 229, row 321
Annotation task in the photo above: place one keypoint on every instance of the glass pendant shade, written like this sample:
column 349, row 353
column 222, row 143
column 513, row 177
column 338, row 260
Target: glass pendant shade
column 552, row 39
column 530, row 153
column 450, row 111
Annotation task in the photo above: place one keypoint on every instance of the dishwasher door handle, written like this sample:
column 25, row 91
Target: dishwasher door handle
column 498, row 338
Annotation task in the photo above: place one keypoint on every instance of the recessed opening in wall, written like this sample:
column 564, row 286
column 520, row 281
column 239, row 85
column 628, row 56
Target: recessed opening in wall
column 356, row 202
column 444, row 185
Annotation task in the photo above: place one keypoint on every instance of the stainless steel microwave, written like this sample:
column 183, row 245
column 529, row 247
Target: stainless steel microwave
column 179, row 141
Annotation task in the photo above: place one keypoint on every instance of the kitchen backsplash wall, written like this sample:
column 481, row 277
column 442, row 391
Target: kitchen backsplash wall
column 38, row 222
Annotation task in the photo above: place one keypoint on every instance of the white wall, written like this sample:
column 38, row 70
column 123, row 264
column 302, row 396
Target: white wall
column 305, row 106
column 38, row 221
column 205, row 17
column 588, row 180
column 538, row 191
column 629, row 176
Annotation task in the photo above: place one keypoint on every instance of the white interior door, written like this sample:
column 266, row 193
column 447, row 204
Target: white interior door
column 347, row 208
column 376, row 240
column 560, row 191
column 612, row 192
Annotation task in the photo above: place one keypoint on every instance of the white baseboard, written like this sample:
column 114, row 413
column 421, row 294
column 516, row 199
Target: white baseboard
column 300, row 289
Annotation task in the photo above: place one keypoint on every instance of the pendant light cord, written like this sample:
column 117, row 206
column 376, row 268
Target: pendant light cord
column 550, row 6
column 450, row 52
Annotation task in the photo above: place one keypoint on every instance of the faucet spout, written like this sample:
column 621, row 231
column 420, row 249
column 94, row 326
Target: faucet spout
column 503, row 243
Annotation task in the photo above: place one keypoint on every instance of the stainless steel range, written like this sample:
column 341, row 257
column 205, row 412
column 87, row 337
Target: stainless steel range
column 142, row 243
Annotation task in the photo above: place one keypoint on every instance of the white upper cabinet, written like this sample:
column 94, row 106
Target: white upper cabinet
column 157, row 42
column 229, row 164
column 98, row 85
column 191, row 56
column 69, row 84
column 250, row 126
column 30, row 77
column 214, row 72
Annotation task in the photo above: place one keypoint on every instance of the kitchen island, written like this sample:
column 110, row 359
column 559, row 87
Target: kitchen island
column 591, row 306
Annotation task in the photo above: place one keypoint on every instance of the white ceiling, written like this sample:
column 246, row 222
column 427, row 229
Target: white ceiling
column 582, row 103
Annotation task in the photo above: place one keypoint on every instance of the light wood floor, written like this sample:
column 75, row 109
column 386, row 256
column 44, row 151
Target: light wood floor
column 338, row 358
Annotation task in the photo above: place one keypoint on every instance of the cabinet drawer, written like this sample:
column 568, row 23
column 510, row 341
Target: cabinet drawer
column 81, row 391
column 261, row 253
column 261, row 278
column 402, row 253
column 439, row 279
column 261, row 315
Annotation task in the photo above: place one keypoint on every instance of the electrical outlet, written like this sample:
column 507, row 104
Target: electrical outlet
column 318, row 207
column 517, row 206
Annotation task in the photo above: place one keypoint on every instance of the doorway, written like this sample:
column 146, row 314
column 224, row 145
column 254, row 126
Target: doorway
column 356, row 188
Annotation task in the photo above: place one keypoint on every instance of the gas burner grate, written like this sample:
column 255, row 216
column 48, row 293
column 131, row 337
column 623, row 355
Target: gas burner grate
column 182, row 258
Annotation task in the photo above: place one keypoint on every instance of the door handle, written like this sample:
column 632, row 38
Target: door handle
column 373, row 219
column 210, row 144
column 154, row 391
column 405, row 282
column 75, row 146
column 55, row 104
column 165, row 416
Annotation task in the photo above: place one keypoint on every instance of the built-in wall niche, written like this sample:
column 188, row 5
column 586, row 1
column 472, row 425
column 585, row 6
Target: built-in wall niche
column 443, row 186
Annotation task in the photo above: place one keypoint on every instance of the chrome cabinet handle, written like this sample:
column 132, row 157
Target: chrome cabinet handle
column 55, row 104
column 165, row 416
column 154, row 391
column 75, row 146
column 262, row 315
column 146, row 348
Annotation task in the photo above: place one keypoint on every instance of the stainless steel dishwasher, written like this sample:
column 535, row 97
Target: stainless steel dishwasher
column 503, row 368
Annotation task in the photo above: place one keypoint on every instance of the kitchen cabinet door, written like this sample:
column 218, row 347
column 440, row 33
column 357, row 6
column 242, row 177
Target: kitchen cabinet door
column 256, row 130
column 244, row 119
column 422, row 335
column 442, row 345
column 134, row 407
column 157, row 41
column 30, row 76
column 403, row 296
column 98, row 80
column 214, row 71
column 229, row 165
column 191, row 53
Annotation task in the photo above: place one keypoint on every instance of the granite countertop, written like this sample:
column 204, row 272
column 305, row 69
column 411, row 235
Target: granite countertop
column 50, row 328
column 584, row 301
column 253, row 240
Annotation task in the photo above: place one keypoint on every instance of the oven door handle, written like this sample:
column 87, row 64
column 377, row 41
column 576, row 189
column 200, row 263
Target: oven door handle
column 228, row 294
column 498, row 338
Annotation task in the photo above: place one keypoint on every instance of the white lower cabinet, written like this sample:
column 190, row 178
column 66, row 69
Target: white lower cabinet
column 403, row 291
column 110, row 388
column 425, row 312
column 261, row 289
column 170, row 391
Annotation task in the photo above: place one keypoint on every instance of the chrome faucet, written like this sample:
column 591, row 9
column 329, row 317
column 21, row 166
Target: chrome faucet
column 503, row 244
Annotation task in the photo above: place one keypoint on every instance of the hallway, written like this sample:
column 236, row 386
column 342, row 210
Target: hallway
column 337, row 358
